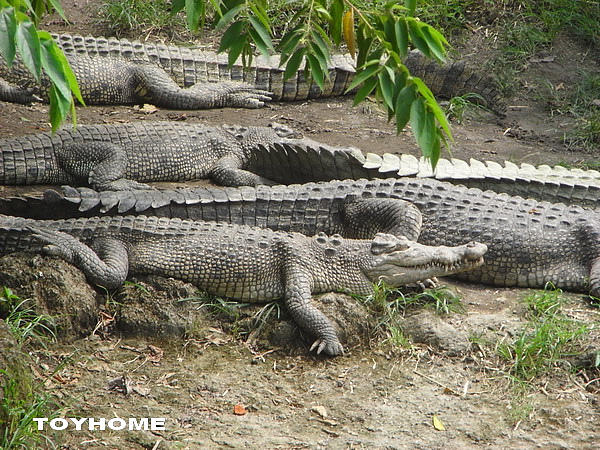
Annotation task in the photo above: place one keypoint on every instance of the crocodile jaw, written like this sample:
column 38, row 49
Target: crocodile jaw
column 419, row 262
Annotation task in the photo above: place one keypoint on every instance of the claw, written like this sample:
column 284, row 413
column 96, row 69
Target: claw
column 331, row 348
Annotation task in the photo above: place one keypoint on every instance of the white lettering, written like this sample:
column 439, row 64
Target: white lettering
column 40, row 422
column 141, row 424
column 63, row 424
column 101, row 423
column 157, row 424
column 111, row 423
column 78, row 422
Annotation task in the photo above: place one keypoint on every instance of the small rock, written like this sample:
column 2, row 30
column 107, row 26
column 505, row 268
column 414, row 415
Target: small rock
column 320, row 410
column 427, row 328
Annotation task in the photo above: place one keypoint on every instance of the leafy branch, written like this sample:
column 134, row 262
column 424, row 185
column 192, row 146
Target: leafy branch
column 379, row 39
column 39, row 52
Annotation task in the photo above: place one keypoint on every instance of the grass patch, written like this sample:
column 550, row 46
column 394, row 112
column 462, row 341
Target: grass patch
column 548, row 338
column 20, row 404
column 241, row 324
column 147, row 17
column 389, row 305
column 25, row 324
column 22, row 400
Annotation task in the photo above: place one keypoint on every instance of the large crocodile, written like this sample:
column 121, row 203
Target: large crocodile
column 236, row 155
column 120, row 156
column 117, row 81
column 240, row 262
column 530, row 242
column 151, row 69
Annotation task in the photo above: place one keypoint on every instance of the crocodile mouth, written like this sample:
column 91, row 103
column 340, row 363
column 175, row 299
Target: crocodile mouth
column 405, row 266
column 450, row 268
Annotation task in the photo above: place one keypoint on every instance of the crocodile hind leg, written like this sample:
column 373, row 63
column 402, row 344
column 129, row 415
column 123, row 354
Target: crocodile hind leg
column 297, row 300
column 227, row 172
column 155, row 85
column 100, row 164
column 107, row 266
column 366, row 217
column 11, row 93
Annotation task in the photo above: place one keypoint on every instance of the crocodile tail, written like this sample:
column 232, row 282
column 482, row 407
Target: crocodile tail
column 14, row 235
column 287, row 163
column 25, row 159
column 456, row 78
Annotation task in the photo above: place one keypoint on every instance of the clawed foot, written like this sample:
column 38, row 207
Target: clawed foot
column 328, row 346
column 57, row 243
column 121, row 185
column 244, row 95
column 253, row 99
column 428, row 283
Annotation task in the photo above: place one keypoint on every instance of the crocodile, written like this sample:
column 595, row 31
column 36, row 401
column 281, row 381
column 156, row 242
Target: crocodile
column 237, row 155
column 530, row 243
column 240, row 262
column 118, row 81
column 193, row 68
column 121, row 156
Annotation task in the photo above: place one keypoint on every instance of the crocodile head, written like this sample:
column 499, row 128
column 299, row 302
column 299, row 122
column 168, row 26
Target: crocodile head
column 399, row 261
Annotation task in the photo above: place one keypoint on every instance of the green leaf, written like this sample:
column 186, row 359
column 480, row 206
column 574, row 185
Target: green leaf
column 390, row 32
column 423, row 126
column 437, row 48
column 29, row 47
column 260, row 14
column 59, row 107
column 433, row 105
column 194, row 10
column 8, row 29
column 286, row 49
column 293, row 64
column 365, row 90
column 365, row 72
column 316, row 71
column 335, row 25
column 231, row 35
column 290, row 39
column 321, row 40
column 411, row 5
column 261, row 38
column 176, row 6
column 417, row 38
column 403, row 105
column 401, row 37
column 228, row 17
column 314, row 50
column 236, row 49
column 57, row 67
column 386, row 86
column 55, row 4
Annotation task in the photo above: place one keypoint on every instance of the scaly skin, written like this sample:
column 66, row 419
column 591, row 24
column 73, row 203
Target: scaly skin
column 191, row 67
column 116, row 81
column 530, row 242
column 243, row 263
column 121, row 156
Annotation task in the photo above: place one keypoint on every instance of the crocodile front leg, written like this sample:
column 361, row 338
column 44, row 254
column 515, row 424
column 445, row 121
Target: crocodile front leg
column 365, row 217
column 297, row 300
column 155, row 86
column 101, row 164
column 108, row 267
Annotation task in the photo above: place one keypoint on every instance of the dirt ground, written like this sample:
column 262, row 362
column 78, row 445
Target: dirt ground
column 143, row 352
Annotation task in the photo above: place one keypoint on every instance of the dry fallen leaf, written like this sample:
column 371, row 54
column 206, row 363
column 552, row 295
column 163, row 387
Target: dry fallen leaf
column 438, row 424
column 239, row 410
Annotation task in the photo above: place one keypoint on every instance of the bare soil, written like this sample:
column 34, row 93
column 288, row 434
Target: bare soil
column 150, row 351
